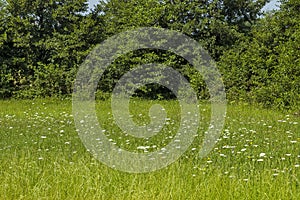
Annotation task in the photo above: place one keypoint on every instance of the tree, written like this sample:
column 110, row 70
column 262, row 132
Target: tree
column 44, row 43
column 217, row 25
column 265, row 66
column 5, row 79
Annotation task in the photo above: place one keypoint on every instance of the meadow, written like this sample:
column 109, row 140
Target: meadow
column 42, row 157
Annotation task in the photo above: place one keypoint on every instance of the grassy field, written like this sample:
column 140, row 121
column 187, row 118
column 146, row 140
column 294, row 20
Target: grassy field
column 42, row 157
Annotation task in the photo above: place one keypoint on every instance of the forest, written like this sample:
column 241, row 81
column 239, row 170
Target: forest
column 43, row 43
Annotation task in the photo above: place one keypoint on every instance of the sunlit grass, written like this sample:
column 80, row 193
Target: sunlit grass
column 42, row 157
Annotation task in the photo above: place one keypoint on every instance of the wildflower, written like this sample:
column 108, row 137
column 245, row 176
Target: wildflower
column 260, row 160
column 228, row 147
column 262, row 154
column 143, row 147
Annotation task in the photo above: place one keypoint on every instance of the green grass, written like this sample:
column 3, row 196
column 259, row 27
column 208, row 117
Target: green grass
column 42, row 157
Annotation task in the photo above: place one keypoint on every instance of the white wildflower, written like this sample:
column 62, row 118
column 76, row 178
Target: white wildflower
column 262, row 154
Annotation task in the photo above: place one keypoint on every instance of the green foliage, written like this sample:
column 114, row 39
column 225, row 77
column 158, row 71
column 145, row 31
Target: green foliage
column 2, row 10
column 265, row 67
column 40, row 37
column 49, row 81
column 42, row 44
column 215, row 24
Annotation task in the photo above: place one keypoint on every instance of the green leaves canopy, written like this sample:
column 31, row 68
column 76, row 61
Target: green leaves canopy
column 265, row 67
column 42, row 43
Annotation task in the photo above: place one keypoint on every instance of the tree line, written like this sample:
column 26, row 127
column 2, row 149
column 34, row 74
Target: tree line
column 42, row 44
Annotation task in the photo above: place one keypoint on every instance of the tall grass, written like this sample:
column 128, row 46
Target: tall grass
column 42, row 157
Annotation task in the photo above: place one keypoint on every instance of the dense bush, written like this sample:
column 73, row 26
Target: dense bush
column 265, row 66
column 42, row 44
